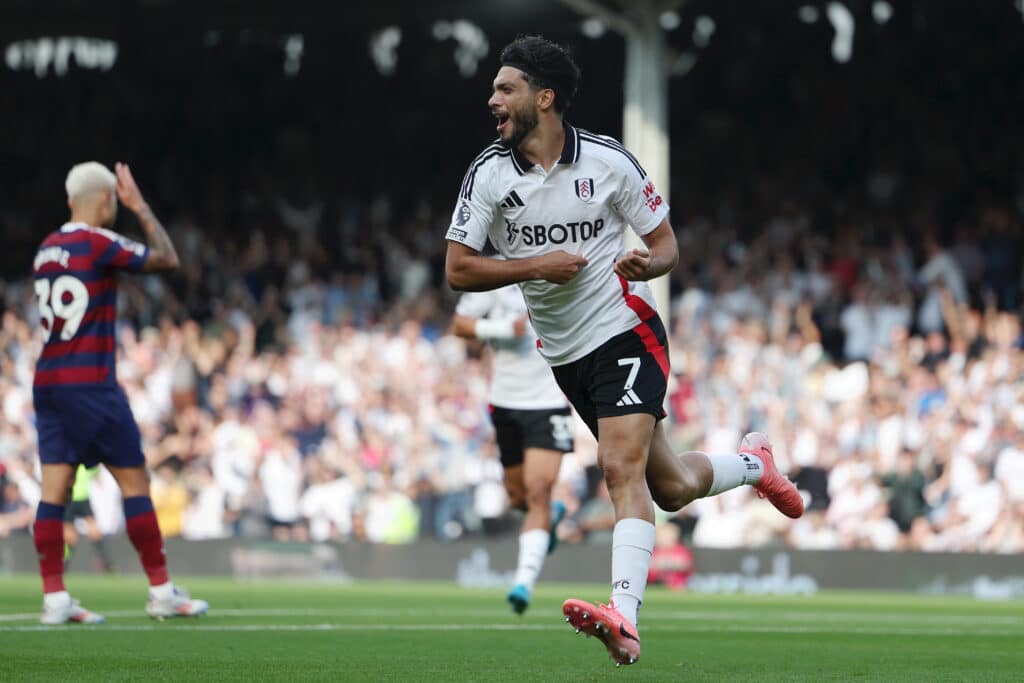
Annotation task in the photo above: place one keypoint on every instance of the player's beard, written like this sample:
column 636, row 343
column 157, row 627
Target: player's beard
column 522, row 123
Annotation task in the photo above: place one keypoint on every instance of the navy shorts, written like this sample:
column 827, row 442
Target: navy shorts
column 516, row 430
column 78, row 509
column 625, row 375
column 87, row 426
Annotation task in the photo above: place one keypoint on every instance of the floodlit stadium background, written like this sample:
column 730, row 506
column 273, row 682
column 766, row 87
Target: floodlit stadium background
column 847, row 184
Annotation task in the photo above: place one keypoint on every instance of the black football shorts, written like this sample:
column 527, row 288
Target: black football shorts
column 517, row 430
column 625, row 375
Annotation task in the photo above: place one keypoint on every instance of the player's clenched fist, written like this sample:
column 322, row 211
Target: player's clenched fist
column 560, row 266
column 633, row 264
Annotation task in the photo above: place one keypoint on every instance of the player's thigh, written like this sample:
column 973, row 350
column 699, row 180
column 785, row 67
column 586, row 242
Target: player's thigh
column 625, row 442
column 56, row 483
column 133, row 481
column 515, row 485
column 541, row 469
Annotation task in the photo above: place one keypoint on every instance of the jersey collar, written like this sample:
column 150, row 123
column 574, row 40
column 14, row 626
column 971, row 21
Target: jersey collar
column 570, row 151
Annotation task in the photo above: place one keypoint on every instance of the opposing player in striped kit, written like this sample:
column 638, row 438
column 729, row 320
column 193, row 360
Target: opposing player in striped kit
column 82, row 415
column 532, row 420
column 555, row 200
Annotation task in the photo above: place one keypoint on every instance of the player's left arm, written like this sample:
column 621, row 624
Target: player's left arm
column 471, row 320
column 661, row 255
column 487, row 329
column 641, row 205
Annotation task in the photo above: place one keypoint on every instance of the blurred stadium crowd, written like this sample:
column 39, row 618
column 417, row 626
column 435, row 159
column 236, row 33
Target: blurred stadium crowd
column 278, row 398
column 850, row 279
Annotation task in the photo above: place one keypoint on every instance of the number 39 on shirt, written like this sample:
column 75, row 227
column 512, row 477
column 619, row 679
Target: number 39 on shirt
column 67, row 299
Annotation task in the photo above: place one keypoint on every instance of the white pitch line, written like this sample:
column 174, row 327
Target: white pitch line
column 729, row 615
column 96, row 628
column 339, row 612
column 303, row 628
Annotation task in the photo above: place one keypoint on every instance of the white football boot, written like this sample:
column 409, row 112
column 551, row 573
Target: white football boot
column 65, row 610
column 178, row 605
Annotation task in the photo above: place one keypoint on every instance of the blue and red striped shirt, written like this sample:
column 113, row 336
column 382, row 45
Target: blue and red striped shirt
column 76, row 287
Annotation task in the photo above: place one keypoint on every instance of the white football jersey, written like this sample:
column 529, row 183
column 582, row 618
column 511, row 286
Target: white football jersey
column 581, row 206
column 522, row 379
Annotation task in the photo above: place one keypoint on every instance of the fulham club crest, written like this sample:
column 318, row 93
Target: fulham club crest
column 585, row 188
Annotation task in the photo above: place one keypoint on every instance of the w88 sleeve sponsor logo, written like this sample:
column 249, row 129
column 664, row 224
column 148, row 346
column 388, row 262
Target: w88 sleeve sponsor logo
column 560, row 233
column 651, row 197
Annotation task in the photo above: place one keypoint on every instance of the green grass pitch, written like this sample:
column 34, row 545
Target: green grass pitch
column 376, row 631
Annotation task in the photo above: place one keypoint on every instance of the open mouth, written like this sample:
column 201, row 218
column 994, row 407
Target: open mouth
column 502, row 121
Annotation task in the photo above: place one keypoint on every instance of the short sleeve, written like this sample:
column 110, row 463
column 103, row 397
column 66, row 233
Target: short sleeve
column 637, row 200
column 475, row 304
column 112, row 250
column 474, row 211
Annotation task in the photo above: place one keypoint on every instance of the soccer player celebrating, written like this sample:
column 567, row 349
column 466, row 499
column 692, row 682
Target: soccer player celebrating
column 555, row 201
column 532, row 422
column 82, row 415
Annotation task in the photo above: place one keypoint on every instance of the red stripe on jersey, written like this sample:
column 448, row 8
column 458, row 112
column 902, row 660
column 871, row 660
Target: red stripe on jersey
column 97, row 287
column 82, row 262
column 60, row 239
column 645, row 313
column 122, row 258
column 81, row 345
column 71, row 376
column 639, row 306
column 100, row 314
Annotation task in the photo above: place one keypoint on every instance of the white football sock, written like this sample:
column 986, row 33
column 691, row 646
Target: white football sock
column 56, row 599
column 735, row 469
column 632, row 545
column 533, row 548
column 164, row 591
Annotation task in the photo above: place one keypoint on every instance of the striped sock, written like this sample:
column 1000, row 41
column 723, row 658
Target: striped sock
column 144, row 532
column 48, row 535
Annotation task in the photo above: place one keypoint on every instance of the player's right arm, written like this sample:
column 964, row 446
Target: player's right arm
column 161, row 255
column 468, row 271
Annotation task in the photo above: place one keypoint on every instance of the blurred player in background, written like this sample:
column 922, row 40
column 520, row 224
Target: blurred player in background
column 532, row 422
column 80, row 508
column 555, row 201
column 82, row 414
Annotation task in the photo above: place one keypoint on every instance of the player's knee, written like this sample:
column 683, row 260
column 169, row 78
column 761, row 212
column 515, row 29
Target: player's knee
column 620, row 469
column 538, row 494
column 133, row 481
column 516, row 496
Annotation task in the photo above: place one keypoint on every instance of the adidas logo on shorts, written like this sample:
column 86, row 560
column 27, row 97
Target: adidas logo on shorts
column 629, row 399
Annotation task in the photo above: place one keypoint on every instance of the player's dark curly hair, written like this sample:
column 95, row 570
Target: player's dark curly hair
column 544, row 65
